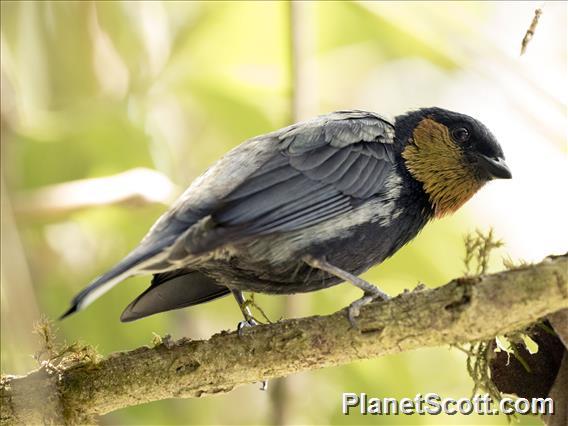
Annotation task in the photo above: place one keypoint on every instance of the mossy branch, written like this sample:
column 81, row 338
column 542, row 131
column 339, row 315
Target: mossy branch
column 466, row 309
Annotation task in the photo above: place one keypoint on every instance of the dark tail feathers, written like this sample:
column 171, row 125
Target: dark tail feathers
column 174, row 290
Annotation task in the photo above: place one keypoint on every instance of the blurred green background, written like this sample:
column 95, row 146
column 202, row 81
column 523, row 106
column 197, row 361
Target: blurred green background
column 146, row 95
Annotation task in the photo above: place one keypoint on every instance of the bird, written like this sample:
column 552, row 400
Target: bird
column 307, row 207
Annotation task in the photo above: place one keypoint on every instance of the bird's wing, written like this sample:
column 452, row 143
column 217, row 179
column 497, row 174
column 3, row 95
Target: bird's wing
column 286, row 180
column 320, row 169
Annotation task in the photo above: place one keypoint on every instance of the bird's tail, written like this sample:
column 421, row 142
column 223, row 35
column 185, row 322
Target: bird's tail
column 100, row 285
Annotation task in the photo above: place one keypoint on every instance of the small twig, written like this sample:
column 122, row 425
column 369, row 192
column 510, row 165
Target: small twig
column 252, row 304
column 531, row 30
column 135, row 187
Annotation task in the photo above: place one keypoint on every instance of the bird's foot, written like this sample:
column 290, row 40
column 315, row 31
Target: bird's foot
column 247, row 323
column 355, row 308
column 370, row 292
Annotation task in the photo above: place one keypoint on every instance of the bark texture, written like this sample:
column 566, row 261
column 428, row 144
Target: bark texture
column 465, row 309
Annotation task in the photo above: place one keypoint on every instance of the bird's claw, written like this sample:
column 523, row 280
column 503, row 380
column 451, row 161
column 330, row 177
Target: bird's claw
column 243, row 325
column 353, row 313
column 355, row 308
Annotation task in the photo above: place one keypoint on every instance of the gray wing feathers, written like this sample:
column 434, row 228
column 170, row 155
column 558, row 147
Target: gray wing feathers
column 314, row 177
column 286, row 180
column 268, row 172
column 206, row 192
column 338, row 129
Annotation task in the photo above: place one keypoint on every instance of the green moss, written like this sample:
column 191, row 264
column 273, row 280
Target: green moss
column 57, row 355
column 478, row 250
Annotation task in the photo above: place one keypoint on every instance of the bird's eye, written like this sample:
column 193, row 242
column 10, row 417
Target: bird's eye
column 460, row 134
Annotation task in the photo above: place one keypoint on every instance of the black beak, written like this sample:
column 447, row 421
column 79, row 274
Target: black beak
column 495, row 167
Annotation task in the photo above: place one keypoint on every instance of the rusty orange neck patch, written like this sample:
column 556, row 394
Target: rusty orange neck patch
column 434, row 160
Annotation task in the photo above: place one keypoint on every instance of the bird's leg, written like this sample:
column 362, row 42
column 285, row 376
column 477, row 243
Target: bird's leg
column 245, row 309
column 370, row 292
column 248, row 322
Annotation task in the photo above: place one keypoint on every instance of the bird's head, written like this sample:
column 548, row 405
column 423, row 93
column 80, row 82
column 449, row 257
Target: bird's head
column 452, row 155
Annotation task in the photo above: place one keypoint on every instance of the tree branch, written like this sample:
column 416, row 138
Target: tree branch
column 463, row 310
column 134, row 187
